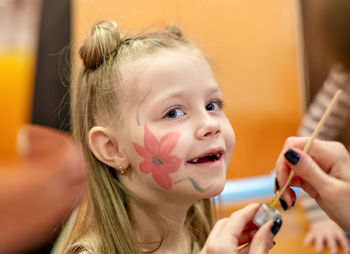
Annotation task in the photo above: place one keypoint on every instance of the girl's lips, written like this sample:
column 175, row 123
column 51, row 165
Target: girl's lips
column 210, row 156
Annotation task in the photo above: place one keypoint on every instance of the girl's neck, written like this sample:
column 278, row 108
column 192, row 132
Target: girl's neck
column 167, row 225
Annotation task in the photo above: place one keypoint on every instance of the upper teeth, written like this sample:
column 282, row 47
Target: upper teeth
column 217, row 156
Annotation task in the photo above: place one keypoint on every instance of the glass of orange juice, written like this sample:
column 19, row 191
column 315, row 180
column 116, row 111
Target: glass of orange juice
column 19, row 23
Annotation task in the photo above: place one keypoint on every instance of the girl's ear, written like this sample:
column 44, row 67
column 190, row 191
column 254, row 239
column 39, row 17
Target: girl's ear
column 105, row 148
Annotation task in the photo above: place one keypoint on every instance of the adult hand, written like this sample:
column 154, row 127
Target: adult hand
column 229, row 233
column 38, row 191
column 324, row 173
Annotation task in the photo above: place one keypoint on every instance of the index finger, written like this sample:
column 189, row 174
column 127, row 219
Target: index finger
column 324, row 153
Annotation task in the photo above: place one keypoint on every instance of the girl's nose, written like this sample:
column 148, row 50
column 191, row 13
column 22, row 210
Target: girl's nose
column 207, row 129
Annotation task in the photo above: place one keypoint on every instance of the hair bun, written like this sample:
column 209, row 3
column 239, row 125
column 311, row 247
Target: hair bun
column 174, row 30
column 103, row 41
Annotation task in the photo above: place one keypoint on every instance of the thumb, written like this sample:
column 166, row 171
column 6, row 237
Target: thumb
column 263, row 239
column 307, row 169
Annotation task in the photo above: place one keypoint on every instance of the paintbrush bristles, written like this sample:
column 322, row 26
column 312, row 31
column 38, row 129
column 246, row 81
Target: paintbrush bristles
column 308, row 145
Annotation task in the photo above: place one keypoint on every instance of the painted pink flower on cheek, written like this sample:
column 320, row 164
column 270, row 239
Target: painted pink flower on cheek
column 157, row 158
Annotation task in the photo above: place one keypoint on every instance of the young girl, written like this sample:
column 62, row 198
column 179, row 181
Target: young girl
column 148, row 113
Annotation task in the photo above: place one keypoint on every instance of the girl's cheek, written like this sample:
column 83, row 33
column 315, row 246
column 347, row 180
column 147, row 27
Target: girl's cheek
column 158, row 156
column 230, row 137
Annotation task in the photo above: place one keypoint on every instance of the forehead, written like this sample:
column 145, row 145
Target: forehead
column 164, row 70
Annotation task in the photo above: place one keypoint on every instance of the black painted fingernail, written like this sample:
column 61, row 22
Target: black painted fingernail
column 274, row 243
column 293, row 203
column 283, row 204
column 277, row 223
column 292, row 156
column 277, row 184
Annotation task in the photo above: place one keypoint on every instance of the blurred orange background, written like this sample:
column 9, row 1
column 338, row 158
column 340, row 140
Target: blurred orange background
column 253, row 47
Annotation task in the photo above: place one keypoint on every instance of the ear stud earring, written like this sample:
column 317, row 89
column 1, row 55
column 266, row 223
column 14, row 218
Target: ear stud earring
column 122, row 170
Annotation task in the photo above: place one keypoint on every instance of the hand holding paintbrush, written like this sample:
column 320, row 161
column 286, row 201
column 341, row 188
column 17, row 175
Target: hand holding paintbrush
column 323, row 172
column 267, row 211
column 308, row 145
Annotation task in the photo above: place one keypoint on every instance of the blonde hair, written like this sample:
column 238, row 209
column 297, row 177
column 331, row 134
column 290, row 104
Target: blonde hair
column 104, row 214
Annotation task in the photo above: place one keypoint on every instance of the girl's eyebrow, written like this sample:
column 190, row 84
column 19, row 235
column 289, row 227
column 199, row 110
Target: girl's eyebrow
column 214, row 89
column 168, row 95
column 180, row 93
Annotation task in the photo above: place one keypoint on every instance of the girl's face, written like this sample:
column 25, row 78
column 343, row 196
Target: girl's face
column 173, row 130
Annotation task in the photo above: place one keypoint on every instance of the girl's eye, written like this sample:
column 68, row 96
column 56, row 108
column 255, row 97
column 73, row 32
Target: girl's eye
column 174, row 113
column 214, row 106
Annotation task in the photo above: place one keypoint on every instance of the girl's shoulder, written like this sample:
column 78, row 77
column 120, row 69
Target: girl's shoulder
column 85, row 241
column 79, row 250
column 87, row 244
column 83, row 251
column 195, row 248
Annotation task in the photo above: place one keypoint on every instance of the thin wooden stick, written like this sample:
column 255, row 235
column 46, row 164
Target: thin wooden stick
column 243, row 246
column 308, row 145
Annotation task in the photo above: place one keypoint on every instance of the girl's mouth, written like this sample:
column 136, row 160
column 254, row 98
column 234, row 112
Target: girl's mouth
column 205, row 159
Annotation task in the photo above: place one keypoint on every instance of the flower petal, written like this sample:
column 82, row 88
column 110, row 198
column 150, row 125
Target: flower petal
column 168, row 142
column 151, row 143
column 146, row 166
column 163, row 179
column 142, row 151
column 171, row 164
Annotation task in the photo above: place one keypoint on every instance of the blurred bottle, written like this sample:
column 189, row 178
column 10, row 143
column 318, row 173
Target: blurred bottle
column 19, row 26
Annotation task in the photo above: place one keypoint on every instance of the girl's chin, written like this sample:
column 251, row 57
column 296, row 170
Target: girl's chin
column 191, row 188
column 218, row 189
column 213, row 191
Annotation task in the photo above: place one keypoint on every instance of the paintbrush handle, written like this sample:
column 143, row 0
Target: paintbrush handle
column 308, row 144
